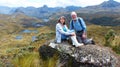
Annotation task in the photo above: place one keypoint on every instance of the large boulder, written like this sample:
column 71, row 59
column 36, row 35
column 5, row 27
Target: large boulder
column 85, row 56
column 64, row 59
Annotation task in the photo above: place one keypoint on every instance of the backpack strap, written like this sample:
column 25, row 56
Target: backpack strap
column 79, row 20
column 80, row 23
column 72, row 23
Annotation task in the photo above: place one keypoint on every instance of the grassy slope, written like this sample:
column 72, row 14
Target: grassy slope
column 20, row 50
column 98, row 32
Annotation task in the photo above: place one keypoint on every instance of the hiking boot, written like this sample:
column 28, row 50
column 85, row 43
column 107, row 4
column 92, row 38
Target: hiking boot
column 73, row 45
column 93, row 42
column 79, row 45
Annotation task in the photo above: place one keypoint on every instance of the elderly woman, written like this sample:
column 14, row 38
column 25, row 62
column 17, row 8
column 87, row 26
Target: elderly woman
column 62, row 32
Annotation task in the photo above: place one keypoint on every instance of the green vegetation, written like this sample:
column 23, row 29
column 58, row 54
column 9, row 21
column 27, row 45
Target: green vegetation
column 24, row 52
column 103, row 21
column 28, row 60
column 30, row 57
column 113, row 40
column 116, row 49
column 105, row 36
column 51, row 62
column 110, row 34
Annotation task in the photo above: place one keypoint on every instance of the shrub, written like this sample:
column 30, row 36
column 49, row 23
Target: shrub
column 109, row 37
column 113, row 40
column 117, row 49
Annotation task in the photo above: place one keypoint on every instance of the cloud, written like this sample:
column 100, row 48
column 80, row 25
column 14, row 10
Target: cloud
column 18, row 3
column 50, row 3
column 65, row 3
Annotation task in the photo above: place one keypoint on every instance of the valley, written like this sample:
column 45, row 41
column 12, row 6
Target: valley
column 24, row 30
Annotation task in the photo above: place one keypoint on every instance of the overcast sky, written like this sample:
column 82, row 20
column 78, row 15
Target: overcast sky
column 50, row 3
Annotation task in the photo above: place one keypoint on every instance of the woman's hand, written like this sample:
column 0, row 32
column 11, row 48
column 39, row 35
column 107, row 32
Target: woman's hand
column 73, row 34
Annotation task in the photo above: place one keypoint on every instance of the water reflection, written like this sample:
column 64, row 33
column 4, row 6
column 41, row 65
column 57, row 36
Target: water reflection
column 46, row 20
column 34, row 38
column 19, row 37
column 29, row 31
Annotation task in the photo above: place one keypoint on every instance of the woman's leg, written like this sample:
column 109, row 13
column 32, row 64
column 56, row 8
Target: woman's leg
column 64, row 37
column 75, row 42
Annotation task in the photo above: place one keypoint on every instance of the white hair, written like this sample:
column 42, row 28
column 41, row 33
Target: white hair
column 73, row 13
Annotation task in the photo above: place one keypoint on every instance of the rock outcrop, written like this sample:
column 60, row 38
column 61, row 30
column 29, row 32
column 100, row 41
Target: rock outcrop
column 84, row 56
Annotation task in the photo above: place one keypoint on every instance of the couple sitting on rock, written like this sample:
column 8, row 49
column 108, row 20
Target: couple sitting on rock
column 77, row 31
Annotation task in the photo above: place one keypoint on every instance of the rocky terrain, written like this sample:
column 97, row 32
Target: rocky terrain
column 84, row 56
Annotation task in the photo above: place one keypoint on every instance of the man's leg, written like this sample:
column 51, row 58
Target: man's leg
column 79, row 39
column 84, row 40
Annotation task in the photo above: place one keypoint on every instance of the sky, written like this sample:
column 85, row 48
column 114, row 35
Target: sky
column 50, row 3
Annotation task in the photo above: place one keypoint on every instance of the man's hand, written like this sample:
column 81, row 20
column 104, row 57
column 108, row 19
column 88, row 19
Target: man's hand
column 84, row 35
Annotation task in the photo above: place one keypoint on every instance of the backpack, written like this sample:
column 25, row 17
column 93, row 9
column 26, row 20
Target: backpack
column 79, row 22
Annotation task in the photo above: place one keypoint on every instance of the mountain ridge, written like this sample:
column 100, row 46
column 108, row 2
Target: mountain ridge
column 46, row 12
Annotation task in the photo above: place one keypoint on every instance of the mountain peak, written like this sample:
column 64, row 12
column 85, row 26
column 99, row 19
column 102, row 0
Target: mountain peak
column 110, row 3
column 111, row 0
column 45, row 6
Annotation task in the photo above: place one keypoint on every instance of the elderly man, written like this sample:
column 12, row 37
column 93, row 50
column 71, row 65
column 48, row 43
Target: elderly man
column 78, row 24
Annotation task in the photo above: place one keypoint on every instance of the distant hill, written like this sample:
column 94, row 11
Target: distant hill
column 41, row 12
column 106, row 4
column 6, row 10
column 30, row 11
column 46, row 12
column 105, row 18
column 106, row 13
column 110, row 5
column 72, row 8
column 16, row 22
column 18, row 18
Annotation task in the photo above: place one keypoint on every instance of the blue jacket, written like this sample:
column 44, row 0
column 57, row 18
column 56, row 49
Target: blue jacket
column 60, row 31
column 77, row 25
